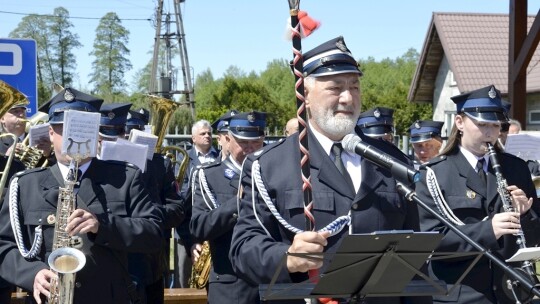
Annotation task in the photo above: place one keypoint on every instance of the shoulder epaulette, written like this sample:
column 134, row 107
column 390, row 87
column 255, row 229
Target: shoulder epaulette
column 434, row 160
column 24, row 172
column 269, row 147
column 121, row 163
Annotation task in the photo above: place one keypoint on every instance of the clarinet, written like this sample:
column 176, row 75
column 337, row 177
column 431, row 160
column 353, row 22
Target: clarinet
column 506, row 198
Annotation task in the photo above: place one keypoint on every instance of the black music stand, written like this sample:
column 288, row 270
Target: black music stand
column 382, row 264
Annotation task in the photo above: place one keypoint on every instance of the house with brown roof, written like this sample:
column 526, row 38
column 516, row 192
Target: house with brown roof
column 466, row 51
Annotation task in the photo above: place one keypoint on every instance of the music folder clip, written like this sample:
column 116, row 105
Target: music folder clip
column 380, row 264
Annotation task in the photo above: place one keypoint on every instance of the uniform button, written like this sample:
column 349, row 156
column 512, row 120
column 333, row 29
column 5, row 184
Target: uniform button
column 108, row 210
column 355, row 206
column 78, row 284
column 217, row 277
column 490, row 209
column 495, row 287
column 234, row 215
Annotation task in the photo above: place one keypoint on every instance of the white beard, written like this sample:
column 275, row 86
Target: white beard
column 332, row 125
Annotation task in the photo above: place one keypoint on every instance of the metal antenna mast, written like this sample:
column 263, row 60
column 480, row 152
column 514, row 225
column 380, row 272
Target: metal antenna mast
column 164, row 84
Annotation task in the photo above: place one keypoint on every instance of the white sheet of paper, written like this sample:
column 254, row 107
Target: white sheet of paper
column 80, row 135
column 37, row 132
column 143, row 138
column 124, row 150
column 525, row 254
column 523, row 145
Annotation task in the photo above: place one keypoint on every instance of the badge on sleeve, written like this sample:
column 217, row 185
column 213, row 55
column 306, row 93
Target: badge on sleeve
column 229, row 173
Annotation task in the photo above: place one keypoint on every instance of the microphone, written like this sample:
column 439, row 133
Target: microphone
column 400, row 171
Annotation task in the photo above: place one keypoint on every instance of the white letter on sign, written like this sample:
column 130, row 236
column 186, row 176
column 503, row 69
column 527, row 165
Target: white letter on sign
column 17, row 59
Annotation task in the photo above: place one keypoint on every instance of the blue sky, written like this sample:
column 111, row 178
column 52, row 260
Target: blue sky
column 250, row 33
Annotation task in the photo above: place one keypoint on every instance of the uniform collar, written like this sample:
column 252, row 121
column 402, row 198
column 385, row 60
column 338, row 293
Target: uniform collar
column 473, row 159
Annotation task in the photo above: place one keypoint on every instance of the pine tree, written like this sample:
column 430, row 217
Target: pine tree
column 111, row 57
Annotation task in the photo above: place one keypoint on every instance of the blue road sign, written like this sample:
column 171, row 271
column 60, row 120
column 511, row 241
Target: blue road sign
column 18, row 68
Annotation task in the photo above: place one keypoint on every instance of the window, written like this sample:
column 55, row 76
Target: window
column 534, row 116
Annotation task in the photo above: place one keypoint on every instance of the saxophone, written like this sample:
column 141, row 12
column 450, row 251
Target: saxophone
column 65, row 259
column 201, row 269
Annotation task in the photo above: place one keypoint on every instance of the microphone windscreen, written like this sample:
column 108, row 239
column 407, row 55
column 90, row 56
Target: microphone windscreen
column 350, row 141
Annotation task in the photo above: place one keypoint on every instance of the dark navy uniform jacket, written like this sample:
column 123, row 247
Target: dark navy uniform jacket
column 182, row 231
column 216, row 226
column 160, row 182
column 115, row 193
column 472, row 202
column 376, row 206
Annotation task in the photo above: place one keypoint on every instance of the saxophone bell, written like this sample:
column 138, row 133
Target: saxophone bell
column 66, row 260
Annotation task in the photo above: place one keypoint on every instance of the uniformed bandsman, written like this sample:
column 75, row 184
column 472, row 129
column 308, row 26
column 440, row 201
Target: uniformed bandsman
column 342, row 183
column 221, row 126
column 137, row 120
column 114, row 215
column 147, row 270
column 215, row 208
column 426, row 140
column 377, row 122
column 468, row 191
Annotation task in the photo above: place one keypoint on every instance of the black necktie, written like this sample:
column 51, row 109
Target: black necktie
column 480, row 170
column 337, row 149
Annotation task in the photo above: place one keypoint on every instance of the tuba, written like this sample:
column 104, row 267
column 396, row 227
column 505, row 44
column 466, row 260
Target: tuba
column 65, row 259
column 162, row 110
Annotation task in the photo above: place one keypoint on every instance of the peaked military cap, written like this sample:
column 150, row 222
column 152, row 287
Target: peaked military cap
column 330, row 58
column 484, row 104
column 376, row 121
column 222, row 123
column 424, row 130
column 69, row 99
column 113, row 119
column 9, row 94
column 138, row 118
column 248, row 125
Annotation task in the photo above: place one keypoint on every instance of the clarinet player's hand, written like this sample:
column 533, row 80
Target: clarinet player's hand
column 306, row 242
column 42, row 284
column 519, row 199
column 505, row 223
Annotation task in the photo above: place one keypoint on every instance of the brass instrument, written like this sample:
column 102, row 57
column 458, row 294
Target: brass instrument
column 28, row 155
column 65, row 259
column 7, row 167
column 201, row 268
column 162, row 110
column 10, row 97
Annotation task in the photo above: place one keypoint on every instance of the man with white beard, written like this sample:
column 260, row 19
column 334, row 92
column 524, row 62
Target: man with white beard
column 342, row 183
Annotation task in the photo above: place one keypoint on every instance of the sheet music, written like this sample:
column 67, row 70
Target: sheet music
column 526, row 254
column 124, row 150
column 524, row 145
column 144, row 138
column 80, row 135
column 38, row 132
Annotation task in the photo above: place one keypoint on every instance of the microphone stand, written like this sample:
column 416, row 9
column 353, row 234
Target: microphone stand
column 519, row 278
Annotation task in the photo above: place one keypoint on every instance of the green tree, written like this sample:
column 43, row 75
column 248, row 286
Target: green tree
column 386, row 83
column 35, row 27
column 110, row 52
column 279, row 81
column 63, row 41
column 243, row 95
